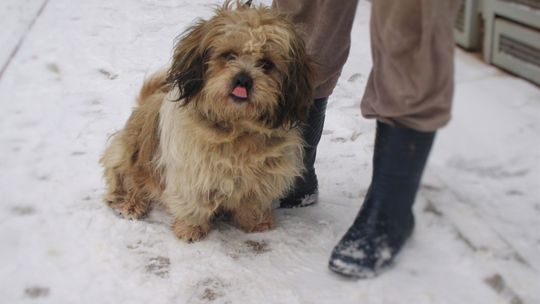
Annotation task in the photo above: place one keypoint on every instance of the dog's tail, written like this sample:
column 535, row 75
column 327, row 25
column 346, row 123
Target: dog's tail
column 155, row 84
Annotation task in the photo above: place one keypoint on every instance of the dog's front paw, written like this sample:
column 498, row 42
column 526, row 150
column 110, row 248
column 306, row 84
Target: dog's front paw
column 130, row 209
column 260, row 227
column 251, row 224
column 188, row 232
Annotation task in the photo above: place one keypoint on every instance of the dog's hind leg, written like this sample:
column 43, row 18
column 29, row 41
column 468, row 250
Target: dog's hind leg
column 132, row 206
column 124, row 200
column 124, row 195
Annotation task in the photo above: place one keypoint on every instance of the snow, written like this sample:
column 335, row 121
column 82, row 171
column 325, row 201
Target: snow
column 70, row 74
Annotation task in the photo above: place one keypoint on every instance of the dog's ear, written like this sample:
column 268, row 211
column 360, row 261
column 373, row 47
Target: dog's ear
column 189, row 62
column 297, row 86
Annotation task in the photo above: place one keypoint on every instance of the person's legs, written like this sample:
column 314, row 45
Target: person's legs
column 326, row 27
column 412, row 45
column 305, row 191
column 385, row 220
column 409, row 92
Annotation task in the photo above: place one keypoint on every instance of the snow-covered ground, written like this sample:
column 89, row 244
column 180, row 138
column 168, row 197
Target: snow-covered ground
column 69, row 72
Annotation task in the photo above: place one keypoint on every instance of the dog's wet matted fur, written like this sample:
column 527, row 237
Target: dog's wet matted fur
column 220, row 130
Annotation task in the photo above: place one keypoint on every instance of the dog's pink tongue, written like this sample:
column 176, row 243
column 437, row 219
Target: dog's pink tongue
column 240, row 92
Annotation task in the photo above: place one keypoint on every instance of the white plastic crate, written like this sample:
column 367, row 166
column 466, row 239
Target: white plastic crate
column 467, row 26
column 512, row 36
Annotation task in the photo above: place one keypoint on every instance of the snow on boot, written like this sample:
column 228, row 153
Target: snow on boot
column 385, row 220
column 305, row 191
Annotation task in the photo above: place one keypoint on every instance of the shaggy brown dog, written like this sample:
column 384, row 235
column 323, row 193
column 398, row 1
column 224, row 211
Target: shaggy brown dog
column 220, row 130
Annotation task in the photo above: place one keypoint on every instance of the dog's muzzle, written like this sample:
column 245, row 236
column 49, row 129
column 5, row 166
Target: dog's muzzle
column 242, row 84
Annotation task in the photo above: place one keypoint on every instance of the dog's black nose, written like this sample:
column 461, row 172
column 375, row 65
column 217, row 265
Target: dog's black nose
column 243, row 80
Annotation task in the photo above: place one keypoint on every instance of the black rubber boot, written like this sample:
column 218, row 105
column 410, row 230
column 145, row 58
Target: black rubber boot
column 306, row 188
column 385, row 220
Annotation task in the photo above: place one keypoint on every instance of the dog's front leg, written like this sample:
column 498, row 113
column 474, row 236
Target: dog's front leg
column 185, row 229
column 253, row 216
column 192, row 218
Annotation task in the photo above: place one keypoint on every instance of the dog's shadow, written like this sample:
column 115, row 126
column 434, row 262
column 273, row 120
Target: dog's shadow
column 293, row 229
column 234, row 242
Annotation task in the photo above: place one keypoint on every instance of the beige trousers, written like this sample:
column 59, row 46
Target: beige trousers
column 412, row 80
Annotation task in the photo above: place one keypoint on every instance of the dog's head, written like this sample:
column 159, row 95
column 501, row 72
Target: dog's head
column 244, row 64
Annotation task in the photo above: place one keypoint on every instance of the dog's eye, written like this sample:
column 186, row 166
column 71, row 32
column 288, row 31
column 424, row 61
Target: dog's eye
column 228, row 56
column 265, row 64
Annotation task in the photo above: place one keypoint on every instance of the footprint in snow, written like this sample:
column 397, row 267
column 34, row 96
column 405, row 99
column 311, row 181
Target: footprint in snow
column 109, row 75
column 23, row 210
column 158, row 266
column 36, row 292
column 354, row 77
column 210, row 289
column 247, row 249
